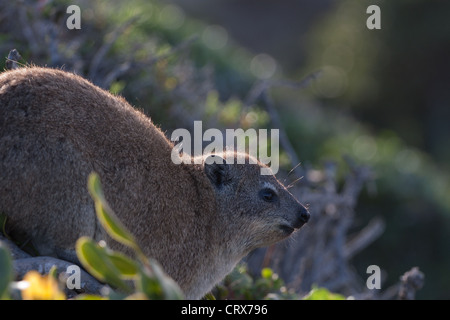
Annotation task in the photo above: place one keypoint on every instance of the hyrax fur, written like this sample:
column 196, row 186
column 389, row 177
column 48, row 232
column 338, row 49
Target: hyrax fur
column 197, row 220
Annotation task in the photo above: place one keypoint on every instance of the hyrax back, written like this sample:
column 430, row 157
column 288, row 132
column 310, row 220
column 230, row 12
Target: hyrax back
column 198, row 221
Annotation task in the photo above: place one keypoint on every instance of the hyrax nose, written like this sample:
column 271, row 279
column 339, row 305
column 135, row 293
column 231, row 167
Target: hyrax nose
column 302, row 217
column 304, row 214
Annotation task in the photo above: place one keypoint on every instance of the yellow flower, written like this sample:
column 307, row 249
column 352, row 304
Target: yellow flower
column 40, row 287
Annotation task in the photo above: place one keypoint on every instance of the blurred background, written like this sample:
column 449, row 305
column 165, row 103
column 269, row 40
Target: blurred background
column 382, row 97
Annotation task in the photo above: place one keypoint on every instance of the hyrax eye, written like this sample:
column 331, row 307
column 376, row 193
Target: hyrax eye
column 268, row 195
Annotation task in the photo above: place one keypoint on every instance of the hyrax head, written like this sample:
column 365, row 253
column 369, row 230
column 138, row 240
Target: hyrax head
column 258, row 207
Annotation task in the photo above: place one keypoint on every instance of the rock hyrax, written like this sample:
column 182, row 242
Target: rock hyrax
column 197, row 220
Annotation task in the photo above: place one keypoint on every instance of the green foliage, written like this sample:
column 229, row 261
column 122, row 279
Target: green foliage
column 6, row 271
column 98, row 262
column 3, row 219
column 139, row 278
column 239, row 284
column 114, row 268
column 317, row 293
column 107, row 218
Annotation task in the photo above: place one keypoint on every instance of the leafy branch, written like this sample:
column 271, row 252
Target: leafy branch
column 115, row 268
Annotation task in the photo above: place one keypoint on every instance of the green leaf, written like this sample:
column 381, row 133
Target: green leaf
column 128, row 268
column 112, row 267
column 106, row 215
column 97, row 261
column 209, row 296
column 170, row 288
column 95, row 187
column 53, row 272
column 3, row 219
column 149, row 285
column 322, row 294
column 155, row 284
column 6, row 271
column 113, row 226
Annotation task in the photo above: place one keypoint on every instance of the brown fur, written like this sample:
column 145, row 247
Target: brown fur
column 198, row 221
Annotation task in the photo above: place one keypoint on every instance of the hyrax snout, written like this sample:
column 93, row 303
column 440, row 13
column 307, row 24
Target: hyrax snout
column 197, row 220
column 261, row 209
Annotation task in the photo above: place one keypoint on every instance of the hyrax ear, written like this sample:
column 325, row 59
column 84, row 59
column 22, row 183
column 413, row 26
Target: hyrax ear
column 217, row 170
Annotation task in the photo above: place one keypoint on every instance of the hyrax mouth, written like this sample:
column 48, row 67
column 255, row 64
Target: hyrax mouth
column 287, row 229
column 301, row 220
